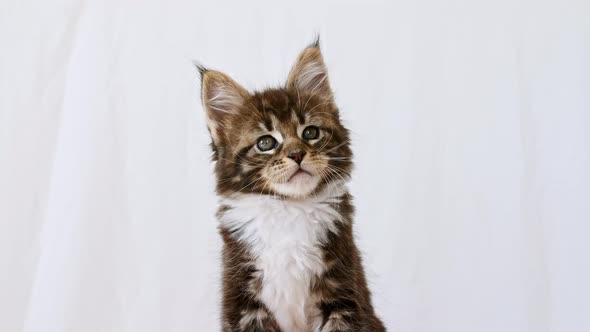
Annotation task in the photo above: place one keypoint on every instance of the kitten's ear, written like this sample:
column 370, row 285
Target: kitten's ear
column 222, row 97
column 309, row 75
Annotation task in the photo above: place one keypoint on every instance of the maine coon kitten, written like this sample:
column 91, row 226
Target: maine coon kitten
column 282, row 159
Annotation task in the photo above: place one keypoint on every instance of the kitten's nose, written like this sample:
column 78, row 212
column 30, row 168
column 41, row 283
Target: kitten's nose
column 296, row 155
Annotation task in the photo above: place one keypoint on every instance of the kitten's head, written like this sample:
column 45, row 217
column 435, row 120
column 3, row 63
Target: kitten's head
column 286, row 142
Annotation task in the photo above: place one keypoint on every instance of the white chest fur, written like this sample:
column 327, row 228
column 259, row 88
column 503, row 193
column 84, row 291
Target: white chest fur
column 285, row 238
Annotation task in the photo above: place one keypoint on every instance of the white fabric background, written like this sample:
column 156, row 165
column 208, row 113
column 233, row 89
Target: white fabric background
column 470, row 122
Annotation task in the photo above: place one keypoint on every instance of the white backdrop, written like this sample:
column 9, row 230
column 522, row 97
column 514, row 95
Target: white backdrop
column 470, row 120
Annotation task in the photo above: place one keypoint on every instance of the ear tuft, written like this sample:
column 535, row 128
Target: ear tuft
column 316, row 42
column 201, row 69
column 309, row 75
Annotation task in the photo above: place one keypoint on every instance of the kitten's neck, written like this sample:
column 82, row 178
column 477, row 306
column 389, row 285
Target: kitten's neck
column 248, row 213
column 330, row 193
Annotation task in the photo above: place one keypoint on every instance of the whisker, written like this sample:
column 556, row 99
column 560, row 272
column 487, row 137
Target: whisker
column 332, row 115
column 318, row 105
column 337, row 146
column 247, row 162
column 327, row 141
column 334, row 158
column 249, row 184
column 255, row 159
column 335, row 172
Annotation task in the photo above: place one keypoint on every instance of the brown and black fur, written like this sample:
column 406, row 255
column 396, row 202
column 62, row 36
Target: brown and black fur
column 340, row 294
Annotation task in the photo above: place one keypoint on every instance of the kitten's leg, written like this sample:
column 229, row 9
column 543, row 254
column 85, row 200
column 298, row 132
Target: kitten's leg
column 341, row 315
column 351, row 321
column 257, row 320
column 253, row 318
column 342, row 308
column 345, row 315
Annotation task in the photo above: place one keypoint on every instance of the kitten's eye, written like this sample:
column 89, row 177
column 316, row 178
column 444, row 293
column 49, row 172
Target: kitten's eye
column 266, row 143
column 311, row 132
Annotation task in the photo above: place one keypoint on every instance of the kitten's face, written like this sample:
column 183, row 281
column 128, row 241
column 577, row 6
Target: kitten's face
column 287, row 142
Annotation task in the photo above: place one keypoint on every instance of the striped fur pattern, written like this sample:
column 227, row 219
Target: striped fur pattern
column 282, row 161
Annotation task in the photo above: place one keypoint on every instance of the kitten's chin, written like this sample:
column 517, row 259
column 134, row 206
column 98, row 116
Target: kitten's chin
column 300, row 185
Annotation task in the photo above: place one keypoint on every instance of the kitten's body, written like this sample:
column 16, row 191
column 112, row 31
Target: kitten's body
column 290, row 262
column 285, row 239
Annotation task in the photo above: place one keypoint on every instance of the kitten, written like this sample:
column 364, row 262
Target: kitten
column 282, row 160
